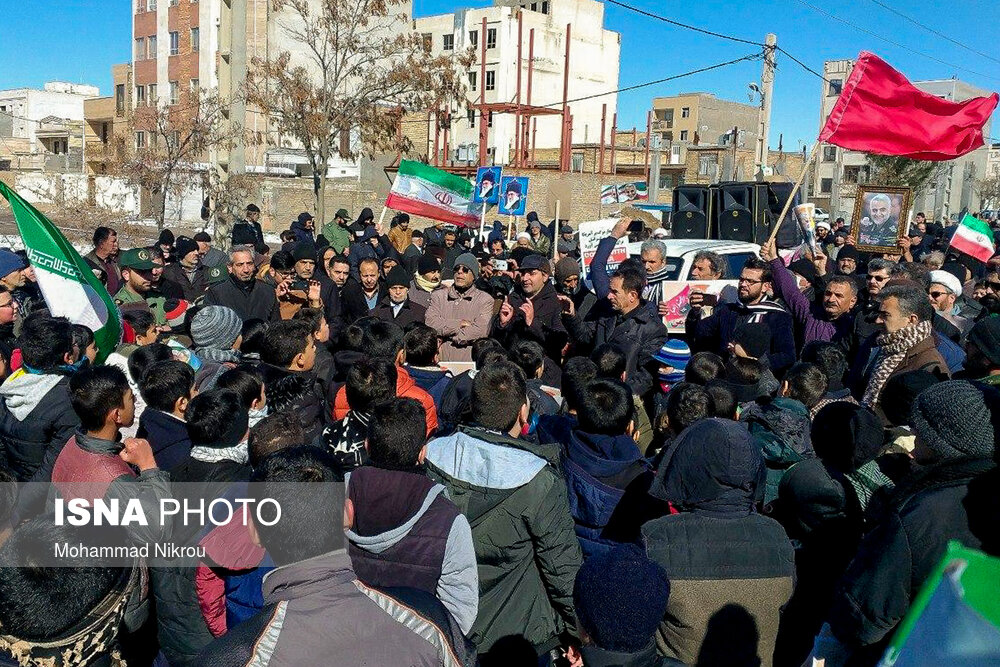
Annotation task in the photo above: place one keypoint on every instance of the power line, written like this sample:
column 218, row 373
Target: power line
column 683, row 25
column 889, row 41
column 934, row 31
column 803, row 65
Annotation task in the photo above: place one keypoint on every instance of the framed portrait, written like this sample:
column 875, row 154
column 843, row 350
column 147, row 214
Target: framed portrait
column 880, row 215
column 513, row 195
column 487, row 186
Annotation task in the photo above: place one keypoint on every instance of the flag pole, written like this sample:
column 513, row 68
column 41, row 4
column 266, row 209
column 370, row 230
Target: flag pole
column 555, row 233
column 795, row 188
column 482, row 224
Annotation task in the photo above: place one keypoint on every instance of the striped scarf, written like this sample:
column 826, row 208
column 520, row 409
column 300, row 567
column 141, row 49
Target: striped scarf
column 892, row 350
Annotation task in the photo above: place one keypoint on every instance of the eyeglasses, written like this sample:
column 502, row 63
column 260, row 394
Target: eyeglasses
column 878, row 279
column 937, row 295
column 750, row 281
column 462, row 269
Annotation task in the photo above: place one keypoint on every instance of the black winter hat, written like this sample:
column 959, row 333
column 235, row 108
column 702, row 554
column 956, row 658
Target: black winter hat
column 304, row 250
column 166, row 238
column 804, row 268
column 952, row 420
column 620, row 598
column 397, row 276
column 846, row 436
column 985, row 335
column 848, row 252
column 427, row 264
column 754, row 338
column 183, row 246
column 900, row 392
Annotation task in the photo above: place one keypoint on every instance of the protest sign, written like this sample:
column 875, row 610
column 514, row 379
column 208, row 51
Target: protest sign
column 513, row 195
column 591, row 234
column 487, row 186
column 806, row 213
column 676, row 293
column 624, row 192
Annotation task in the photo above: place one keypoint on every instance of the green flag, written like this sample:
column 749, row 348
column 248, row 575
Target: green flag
column 70, row 288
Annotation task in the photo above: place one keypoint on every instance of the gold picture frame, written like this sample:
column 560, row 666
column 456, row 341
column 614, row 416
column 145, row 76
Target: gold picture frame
column 881, row 230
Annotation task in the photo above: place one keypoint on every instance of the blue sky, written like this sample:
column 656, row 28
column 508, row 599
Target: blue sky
column 73, row 40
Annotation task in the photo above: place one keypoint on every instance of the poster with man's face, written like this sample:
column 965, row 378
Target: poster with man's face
column 880, row 217
column 487, row 186
column 513, row 195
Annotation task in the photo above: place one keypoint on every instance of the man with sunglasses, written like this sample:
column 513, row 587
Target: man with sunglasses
column 460, row 314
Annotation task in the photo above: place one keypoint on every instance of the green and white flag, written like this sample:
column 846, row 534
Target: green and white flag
column 973, row 237
column 433, row 193
column 70, row 288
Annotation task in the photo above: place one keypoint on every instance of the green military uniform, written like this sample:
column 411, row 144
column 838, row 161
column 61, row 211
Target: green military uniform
column 140, row 260
column 339, row 237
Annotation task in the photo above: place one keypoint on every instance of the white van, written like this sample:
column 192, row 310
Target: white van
column 681, row 252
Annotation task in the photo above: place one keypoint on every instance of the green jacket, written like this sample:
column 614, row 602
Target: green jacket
column 339, row 237
column 156, row 304
column 522, row 529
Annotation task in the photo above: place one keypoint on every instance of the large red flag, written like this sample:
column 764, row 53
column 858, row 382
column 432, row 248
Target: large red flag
column 879, row 111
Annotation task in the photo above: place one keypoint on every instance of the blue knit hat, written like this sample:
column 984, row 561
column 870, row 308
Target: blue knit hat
column 620, row 598
column 10, row 262
column 676, row 354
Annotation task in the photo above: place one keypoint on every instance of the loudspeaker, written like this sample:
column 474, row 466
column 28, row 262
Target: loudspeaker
column 692, row 211
column 741, row 212
column 789, row 234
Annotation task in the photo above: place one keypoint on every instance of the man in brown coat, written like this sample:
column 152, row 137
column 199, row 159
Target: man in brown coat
column 907, row 344
column 460, row 314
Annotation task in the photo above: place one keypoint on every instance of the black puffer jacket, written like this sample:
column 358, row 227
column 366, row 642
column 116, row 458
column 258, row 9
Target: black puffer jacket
column 36, row 420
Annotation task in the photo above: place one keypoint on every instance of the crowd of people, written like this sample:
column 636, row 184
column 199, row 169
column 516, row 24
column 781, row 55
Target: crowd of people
column 484, row 455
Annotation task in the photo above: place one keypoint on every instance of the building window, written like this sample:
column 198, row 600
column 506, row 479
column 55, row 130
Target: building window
column 140, row 139
column 491, row 38
column 195, row 38
column 836, row 85
column 474, row 38
column 856, row 175
column 140, row 95
column 175, row 92
column 174, row 3
column 151, row 5
column 151, row 48
column 140, row 48
column 449, row 42
column 705, row 164
column 684, row 135
column 470, row 113
column 140, row 6
column 577, row 162
column 545, row 7
column 829, row 153
column 152, row 93
column 534, row 6
column 104, row 133
column 489, row 119
column 175, row 43
column 491, row 80
column 685, row 112
column 427, row 37
column 195, row 88
column 120, row 98
column 472, row 81
column 825, row 186
column 174, row 139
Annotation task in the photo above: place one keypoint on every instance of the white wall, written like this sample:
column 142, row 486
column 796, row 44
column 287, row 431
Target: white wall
column 115, row 194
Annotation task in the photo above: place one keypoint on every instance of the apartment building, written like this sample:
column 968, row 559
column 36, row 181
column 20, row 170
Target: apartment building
column 43, row 129
column 702, row 119
column 593, row 69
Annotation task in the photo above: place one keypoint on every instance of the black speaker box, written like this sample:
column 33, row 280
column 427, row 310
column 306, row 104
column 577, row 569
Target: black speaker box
column 741, row 212
column 692, row 211
column 789, row 234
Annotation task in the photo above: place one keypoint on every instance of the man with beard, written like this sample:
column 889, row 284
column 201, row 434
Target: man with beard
column 715, row 333
column 654, row 258
column 304, row 255
column 568, row 284
column 187, row 273
column 533, row 312
column 460, row 314
column 105, row 256
column 248, row 231
column 337, row 233
column 880, row 226
column 137, row 275
column 250, row 298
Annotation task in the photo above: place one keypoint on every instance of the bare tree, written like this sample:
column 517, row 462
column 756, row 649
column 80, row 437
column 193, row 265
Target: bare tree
column 166, row 146
column 989, row 190
column 352, row 76
column 902, row 171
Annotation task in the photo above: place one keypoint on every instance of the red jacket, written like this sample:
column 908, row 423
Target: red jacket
column 405, row 388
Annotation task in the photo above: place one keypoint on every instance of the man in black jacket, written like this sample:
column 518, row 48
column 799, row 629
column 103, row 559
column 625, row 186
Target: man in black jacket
column 187, row 272
column 249, row 297
column 248, row 231
column 360, row 298
column 635, row 328
column 533, row 312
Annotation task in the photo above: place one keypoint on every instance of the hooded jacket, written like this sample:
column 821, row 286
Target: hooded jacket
column 526, row 548
column 36, row 420
column 317, row 608
column 362, row 248
column 608, row 482
column 407, row 533
column 432, row 380
column 730, row 569
column 780, row 427
column 301, row 233
column 405, row 388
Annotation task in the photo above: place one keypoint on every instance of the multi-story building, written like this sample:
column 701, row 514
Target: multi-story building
column 106, row 118
column 593, row 69
column 43, row 129
column 702, row 119
column 838, row 172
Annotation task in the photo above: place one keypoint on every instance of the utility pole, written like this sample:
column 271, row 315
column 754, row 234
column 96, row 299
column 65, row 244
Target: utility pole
column 766, row 87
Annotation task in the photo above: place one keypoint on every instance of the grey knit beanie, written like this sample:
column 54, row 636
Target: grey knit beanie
column 216, row 327
column 952, row 420
column 469, row 261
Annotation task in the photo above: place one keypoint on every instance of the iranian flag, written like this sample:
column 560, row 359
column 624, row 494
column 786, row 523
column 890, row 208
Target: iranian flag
column 70, row 288
column 973, row 237
column 432, row 193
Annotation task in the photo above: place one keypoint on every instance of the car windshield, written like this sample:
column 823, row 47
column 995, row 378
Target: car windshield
column 674, row 268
